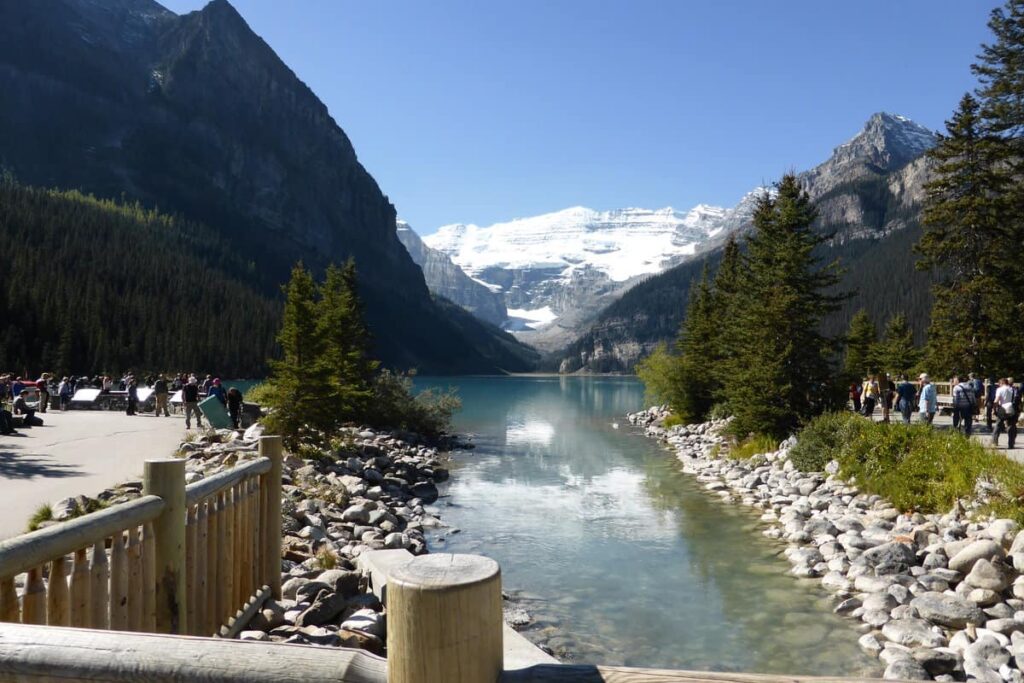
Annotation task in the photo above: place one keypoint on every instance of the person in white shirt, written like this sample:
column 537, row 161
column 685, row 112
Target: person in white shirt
column 1007, row 400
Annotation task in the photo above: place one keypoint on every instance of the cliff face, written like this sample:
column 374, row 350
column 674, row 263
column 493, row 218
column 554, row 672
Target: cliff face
column 868, row 195
column 446, row 279
column 196, row 114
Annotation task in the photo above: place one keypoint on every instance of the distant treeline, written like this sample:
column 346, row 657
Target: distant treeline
column 91, row 285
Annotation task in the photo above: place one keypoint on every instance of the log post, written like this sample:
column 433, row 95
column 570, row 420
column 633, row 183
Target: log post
column 58, row 612
column 9, row 609
column 271, row 448
column 197, row 615
column 444, row 620
column 135, row 598
column 228, row 526
column 166, row 478
column 118, row 584
column 80, row 589
column 213, row 561
column 191, row 549
column 148, row 578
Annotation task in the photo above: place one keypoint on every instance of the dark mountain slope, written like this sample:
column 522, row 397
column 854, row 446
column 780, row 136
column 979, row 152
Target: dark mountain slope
column 197, row 115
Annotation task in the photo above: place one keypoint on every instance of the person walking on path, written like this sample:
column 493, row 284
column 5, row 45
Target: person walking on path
column 964, row 404
column 979, row 394
column 905, row 395
column 870, row 394
column 160, row 390
column 43, row 387
column 855, row 390
column 235, row 406
column 1006, row 411
column 133, row 395
column 190, row 397
column 928, row 404
column 885, row 395
column 990, row 400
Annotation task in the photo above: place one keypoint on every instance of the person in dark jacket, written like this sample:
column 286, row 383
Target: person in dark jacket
column 218, row 391
column 132, row 388
column 190, row 397
column 160, row 390
column 905, row 395
column 235, row 406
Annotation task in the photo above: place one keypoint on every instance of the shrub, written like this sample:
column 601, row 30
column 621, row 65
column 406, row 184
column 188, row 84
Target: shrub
column 43, row 513
column 719, row 411
column 823, row 438
column 395, row 406
column 261, row 394
column 754, row 445
column 672, row 420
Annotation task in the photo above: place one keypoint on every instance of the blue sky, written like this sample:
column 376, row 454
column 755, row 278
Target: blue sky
column 484, row 111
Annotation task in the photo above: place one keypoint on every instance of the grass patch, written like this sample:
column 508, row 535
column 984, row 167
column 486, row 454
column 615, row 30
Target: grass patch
column 916, row 467
column 754, row 445
column 672, row 420
column 43, row 513
column 325, row 558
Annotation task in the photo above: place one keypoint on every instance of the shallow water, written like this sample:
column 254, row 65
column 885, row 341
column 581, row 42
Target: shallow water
column 618, row 556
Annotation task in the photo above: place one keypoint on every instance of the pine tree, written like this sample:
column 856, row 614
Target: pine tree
column 781, row 374
column 697, row 347
column 966, row 242
column 346, row 357
column 298, row 385
column 727, row 288
column 860, row 346
column 896, row 352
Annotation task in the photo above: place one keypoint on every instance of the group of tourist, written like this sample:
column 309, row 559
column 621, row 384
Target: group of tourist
column 14, row 392
column 999, row 399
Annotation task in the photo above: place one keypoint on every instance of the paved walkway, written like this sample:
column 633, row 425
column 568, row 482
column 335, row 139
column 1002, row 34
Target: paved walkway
column 77, row 452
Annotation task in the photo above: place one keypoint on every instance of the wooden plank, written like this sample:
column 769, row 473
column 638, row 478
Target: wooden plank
column 79, row 594
column 213, row 562
column 33, row 602
column 584, row 673
column 21, row 553
column 43, row 654
column 148, row 578
column 118, row 584
column 191, row 541
column 99, row 587
column 272, row 448
column 212, row 485
column 58, row 609
column 228, row 525
column 134, row 556
column 198, row 613
column 9, row 609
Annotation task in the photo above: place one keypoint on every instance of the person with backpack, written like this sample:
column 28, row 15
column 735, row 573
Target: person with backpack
column 928, row 403
column 160, row 390
column 1006, row 399
column 965, row 402
column 990, row 400
column 905, row 395
column 870, row 394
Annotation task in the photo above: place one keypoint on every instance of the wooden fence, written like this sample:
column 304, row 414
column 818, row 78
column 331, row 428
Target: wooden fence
column 444, row 626
column 180, row 559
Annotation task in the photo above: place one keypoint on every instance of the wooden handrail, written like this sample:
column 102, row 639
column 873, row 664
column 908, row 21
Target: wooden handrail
column 204, row 488
column 48, row 654
column 21, row 553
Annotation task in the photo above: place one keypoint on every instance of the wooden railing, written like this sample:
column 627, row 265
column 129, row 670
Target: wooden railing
column 180, row 560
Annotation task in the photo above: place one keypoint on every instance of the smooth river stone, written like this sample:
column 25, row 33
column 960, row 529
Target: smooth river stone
column 912, row 632
column 965, row 560
column 946, row 610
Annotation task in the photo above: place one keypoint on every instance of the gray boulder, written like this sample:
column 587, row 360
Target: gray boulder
column 890, row 555
column 905, row 670
column 936, row 661
column 947, row 610
column 992, row 575
column 912, row 632
column 984, row 549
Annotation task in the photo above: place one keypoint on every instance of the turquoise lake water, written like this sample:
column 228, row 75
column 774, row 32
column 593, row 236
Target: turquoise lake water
column 618, row 556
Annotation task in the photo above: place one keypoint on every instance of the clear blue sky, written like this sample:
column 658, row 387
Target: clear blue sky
column 477, row 112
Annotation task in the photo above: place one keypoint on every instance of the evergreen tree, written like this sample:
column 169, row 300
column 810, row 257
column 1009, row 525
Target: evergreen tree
column 697, row 348
column 860, row 346
column 298, row 384
column 346, row 354
column 966, row 243
column 896, row 352
column 781, row 374
column 727, row 289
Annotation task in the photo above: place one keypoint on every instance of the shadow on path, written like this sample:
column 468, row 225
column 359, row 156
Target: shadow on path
column 15, row 464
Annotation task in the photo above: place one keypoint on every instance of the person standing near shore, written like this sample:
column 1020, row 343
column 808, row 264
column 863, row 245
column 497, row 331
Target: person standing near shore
column 1006, row 400
column 928, row 403
column 905, row 394
column 964, row 405
column 190, row 397
column 235, row 406
column 43, row 387
column 133, row 395
column 64, row 392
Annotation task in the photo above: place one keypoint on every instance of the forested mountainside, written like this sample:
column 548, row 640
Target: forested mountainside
column 868, row 194
column 125, row 98
column 106, row 286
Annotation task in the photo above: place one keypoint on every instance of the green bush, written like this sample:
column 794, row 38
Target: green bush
column 395, row 406
column 754, row 445
column 261, row 394
column 719, row 411
column 823, row 438
column 672, row 420
column 917, row 467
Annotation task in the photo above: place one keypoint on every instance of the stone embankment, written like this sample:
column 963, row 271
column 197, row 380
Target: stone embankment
column 368, row 494
column 936, row 596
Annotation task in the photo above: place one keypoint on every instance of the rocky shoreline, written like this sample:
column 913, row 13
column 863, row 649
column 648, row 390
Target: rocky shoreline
column 936, row 597
column 369, row 493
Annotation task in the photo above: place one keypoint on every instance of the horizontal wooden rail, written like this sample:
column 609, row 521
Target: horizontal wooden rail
column 585, row 673
column 48, row 654
column 204, row 488
column 21, row 553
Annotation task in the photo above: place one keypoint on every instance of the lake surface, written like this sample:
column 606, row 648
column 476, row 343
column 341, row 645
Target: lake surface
column 618, row 556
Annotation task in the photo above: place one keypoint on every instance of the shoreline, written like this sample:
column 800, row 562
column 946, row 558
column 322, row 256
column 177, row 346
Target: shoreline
column 937, row 597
